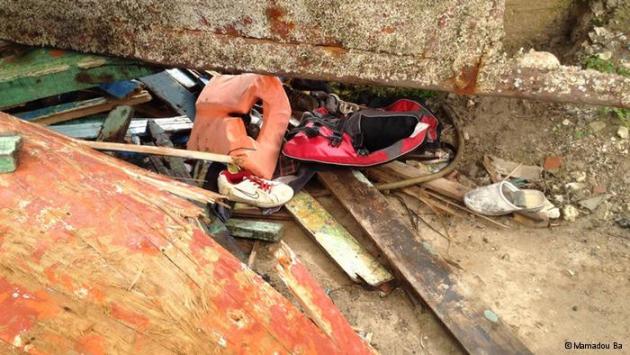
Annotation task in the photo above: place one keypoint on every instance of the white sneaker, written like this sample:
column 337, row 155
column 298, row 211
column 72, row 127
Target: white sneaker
column 247, row 188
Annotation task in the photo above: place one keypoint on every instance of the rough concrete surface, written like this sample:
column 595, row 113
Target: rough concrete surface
column 451, row 45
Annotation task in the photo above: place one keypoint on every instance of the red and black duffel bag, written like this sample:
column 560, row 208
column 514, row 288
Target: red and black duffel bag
column 364, row 138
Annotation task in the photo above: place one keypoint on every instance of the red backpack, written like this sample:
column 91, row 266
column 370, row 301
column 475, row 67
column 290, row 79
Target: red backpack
column 364, row 138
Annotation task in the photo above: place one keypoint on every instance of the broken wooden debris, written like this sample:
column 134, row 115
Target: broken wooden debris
column 137, row 127
column 176, row 165
column 116, row 124
column 164, row 151
column 28, row 74
column 316, row 303
column 466, row 46
column 447, row 188
column 94, row 260
column 10, row 143
column 69, row 111
column 428, row 275
column 252, row 254
column 336, row 241
column 164, row 86
column 260, row 230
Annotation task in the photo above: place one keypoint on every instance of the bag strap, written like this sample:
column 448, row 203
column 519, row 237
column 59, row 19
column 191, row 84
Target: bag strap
column 318, row 121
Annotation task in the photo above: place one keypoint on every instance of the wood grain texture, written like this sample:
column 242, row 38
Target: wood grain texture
column 165, row 151
column 68, row 111
column 96, row 260
column 28, row 74
column 338, row 243
column 428, row 275
column 316, row 302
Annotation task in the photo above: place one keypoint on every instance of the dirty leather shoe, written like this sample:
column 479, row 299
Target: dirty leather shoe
column 252, row 190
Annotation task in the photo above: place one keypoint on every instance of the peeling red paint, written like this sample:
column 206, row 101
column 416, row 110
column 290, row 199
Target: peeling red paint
column 21, row 308
column 200, row 241
column 89, row 228
column 130, row 317
column 91, row 344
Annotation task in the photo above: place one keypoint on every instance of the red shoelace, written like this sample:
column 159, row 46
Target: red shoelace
column 265, row 186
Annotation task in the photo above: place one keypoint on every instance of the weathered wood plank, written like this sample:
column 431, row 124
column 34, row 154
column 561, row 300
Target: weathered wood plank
column 171, row 91
column 176, row 164
column 260, row 230
column 428, row 275
column 95, row 260
column 171, row 152
column 138, row 127
column 338, row 243
column 69, row 111
column 116, row 124
column 28, row 74
column 316, row 302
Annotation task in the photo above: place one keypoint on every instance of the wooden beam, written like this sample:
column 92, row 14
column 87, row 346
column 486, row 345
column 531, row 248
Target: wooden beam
column 67, row 112
column 138, row 127
column 171, row 152
column 427, row 274
column 116, row 124
column 28, row 74
column 336, row 241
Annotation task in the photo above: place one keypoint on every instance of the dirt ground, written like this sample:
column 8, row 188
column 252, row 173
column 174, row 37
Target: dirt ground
column 569, row 282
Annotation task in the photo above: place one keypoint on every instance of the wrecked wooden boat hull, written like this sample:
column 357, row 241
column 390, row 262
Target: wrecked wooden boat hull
column 96, row 259
column 448, row 45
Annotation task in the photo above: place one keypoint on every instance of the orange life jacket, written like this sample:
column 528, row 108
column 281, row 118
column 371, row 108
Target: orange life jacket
column 215, row 130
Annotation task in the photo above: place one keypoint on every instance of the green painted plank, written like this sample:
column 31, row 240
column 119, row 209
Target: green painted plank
column 9, row 146
column 261, row 230
column 338, row 243
column 116, row 124
column 28, row 74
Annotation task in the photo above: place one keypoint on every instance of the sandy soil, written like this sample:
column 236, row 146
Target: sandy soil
column 565, row 283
